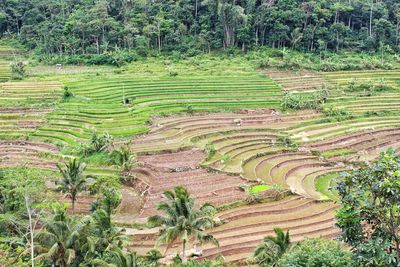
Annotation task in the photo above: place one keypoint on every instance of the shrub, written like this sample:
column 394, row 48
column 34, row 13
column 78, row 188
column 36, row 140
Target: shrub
column 317, row 252
column 97, row 143
column 369, row 88
column 338, row 113
column 299, row 101
column 123, row 158
column 17, row 70
column 210, row 150
column 67, row 93
column 287, row 141
column 225, row 159
column 189, row 109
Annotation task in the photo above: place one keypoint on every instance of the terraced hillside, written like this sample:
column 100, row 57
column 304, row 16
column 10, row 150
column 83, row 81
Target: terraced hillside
column 6, row 54
column 245, row 227
column 100, row 104
column 24, row 106
column 385, row 86
column 217, row 134
column 301, row 80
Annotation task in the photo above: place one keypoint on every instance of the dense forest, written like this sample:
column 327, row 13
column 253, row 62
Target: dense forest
column 75, row 27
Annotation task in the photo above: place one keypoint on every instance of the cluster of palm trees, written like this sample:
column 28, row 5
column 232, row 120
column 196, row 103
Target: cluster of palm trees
column 64, row 240
column 94, row 239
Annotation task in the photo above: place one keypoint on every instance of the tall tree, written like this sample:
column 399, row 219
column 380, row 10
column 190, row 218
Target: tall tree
column 73, row 179
column 272, row 248
column 370, row 211
column 182, row 221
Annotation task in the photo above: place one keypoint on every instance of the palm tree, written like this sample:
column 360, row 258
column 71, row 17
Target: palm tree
column 107, row 235
column 182, row 221
column 73, row 181
column 117, row 258
column 124, row 158
column 272, row 248
column 57, row 239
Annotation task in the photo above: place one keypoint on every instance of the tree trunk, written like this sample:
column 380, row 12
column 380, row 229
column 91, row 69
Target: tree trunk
column 184, row 250
column 73, row 198
column 31, row 231
column 370, row 18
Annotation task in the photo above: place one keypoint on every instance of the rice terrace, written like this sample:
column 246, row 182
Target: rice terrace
column 138, row 147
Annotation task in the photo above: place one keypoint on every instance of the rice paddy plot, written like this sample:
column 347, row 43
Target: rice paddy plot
column 302, row 80
column 24, row 106
column 122, row 106
column 245, row 227
column 379, row 90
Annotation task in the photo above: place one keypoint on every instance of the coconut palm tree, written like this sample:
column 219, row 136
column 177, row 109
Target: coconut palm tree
column 108, row 236
column 272, row 248
column 73, row 180
column 124, row 158
column 117, row 258
column 181, row 221
column 57, row 239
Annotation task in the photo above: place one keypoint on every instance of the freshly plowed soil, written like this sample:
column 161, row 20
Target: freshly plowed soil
column 163, row 172
column 245, row 227
column 18, row 153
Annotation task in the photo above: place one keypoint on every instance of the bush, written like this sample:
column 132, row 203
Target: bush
column 67, row 93
column 369, row 88
column 287, row 141
column 338, row 113
column 190, row 109
column 317, row 252
column 97, row 143
column 116, row 58
column 17, row 70
column 210, row 150
column 299, row 101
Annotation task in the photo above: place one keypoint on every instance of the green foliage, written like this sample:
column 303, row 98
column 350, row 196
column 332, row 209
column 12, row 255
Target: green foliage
column 97, row 143
column 210, row 150
column 226, row 159
column 17, row 70
column 67, row 93
column 109, row 200
column 299, row 101
column 370, row 198
column 182, row 221
column 368, row 88
column 17, row 187
column 92, row 240
column 272, row 249
column 123, row 158
column 337, row 113
column 189, row 109
column 189, row 28
column 73, row 179
column 287, row 141
column 317, row 252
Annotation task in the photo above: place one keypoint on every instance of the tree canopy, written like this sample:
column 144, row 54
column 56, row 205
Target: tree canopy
column 370, row 211
column 76, row 27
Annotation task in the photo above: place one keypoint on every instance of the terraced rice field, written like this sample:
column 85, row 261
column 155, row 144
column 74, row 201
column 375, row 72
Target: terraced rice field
column 245, row 227
column 5, row 59
column 301, row 80
column 372, row 103
column 100, row 104
column 170, row 122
